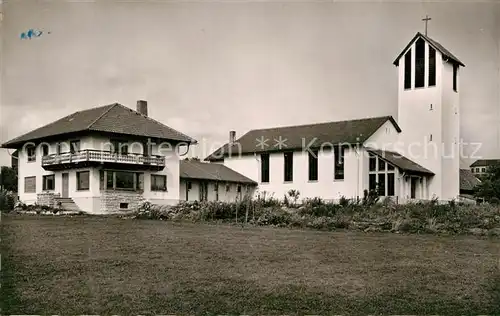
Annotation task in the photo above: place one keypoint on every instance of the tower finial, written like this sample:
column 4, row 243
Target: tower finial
column 427, row 19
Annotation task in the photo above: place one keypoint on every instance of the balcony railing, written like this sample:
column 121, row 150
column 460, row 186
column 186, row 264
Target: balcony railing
column 89, row 155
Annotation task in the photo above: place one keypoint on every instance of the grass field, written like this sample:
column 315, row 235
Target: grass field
column 88, row 265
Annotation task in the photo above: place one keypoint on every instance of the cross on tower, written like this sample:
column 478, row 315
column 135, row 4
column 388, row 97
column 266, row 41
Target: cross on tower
column 427, row 19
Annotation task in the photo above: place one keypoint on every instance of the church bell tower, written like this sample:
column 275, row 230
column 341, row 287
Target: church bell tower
column 429, row 112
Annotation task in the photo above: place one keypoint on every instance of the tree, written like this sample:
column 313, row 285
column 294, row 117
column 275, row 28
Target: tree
column 8, row 179
column 489, row 189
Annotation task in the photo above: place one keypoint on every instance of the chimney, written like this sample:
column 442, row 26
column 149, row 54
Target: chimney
column 232, row 137
column 142, row 107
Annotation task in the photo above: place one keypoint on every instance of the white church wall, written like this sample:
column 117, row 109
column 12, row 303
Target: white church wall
column 385, row 138
column 325, row 187
column 451, row 135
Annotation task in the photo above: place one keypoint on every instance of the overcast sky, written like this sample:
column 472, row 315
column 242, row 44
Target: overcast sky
column 207, row 68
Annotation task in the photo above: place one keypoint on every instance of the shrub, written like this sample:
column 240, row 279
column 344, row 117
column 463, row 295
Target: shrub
column 274, row 217
column 294, row 196
column 7, row 200
column 344, row 201
column 152, row 211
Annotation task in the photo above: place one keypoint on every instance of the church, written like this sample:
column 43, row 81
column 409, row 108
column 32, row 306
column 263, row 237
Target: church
column 415, row 156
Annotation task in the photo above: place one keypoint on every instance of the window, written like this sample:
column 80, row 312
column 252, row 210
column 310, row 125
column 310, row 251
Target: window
column 430, row 137
column 419, row 63
column 408, row 70
column 121, row 147
column 264, row 168
column 48, row 182
column 31, row 153
column 313, row 166
column 239, row 188
column 45, row 150
column 381, row 176
column 124, row 180
column 83, row 180
column 288, row 166
column 158, row 182
column 124, row 149
column 74, row 146
column 455, row 73
column 29, row 184
column 390, row 184
column 372, row 163
column 381, row 184
column 339, row 152
column 123, row 205
column 228, row 187
column 372, row 179
column 110, row 180
column 477, row 169
column 432, row 67
column 381, row 165
column 483, row 169
column 430, row 108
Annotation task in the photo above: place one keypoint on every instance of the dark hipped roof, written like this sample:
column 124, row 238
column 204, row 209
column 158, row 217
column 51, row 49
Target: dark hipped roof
column 190, row 169
column 299, row 136
column 437, row 46
column 485, row 162
column 400, row 161
column 113, row 118
column 468, row 180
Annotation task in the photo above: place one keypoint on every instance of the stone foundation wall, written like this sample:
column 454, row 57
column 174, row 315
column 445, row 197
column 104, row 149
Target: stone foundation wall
column 47, row 198
column 111, row 200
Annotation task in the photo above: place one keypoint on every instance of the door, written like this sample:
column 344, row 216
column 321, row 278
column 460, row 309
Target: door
column 413, row 187
column 203, row 190
column 65, row 185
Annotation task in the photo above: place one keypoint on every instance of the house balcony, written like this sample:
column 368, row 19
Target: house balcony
column 106, row 159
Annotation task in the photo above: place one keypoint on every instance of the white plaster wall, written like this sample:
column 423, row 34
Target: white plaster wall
column 385, row 138
column 451, row 134
column 231, row 196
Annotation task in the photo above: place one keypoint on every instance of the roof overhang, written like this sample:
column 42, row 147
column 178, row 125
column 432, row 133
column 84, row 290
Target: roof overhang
column 400, row 161
column 444, row 52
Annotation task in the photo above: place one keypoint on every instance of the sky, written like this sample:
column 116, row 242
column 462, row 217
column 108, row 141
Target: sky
column 206, row 68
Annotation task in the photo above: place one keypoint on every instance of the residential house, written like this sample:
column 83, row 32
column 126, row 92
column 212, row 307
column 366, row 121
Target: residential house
column 404, row 158
column 468, row 182
column 200, row 181
column 480, row 167
column 101, row 160
column 14, row 162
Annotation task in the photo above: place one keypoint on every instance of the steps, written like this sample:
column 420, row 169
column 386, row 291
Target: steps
column 67, row 204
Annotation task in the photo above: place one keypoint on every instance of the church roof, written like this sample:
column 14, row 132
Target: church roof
column 437, row 46
column 301, row 137
column 190, row 169
column 400, row 161
column 114, row 118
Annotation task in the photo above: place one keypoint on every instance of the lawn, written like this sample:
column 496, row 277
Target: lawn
column 91, row 265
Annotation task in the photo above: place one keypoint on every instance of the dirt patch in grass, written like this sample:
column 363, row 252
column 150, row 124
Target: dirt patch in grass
column 101, row 266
